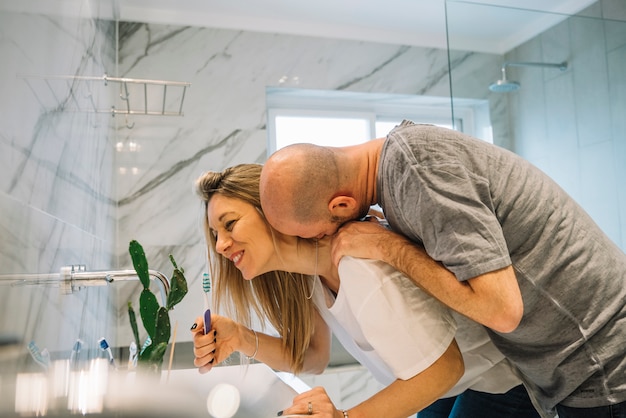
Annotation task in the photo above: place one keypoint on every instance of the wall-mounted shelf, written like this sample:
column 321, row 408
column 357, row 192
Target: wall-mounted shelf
column 133, row 96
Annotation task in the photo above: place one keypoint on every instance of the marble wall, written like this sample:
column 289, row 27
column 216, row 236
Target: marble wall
column 571, row 124
column 56, row 191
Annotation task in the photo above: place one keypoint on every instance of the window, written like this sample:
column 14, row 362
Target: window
column 321, row 128
column 347, row 118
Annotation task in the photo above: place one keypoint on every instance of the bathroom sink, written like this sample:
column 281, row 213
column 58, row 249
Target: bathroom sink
column 262, row 393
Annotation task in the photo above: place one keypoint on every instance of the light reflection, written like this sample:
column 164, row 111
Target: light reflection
column 31, row 394
column 87, row 388
column 293, row 80
column 131, row 146
column 36, row 393
column 223, row 401
column 60, row 378
column 133, row 170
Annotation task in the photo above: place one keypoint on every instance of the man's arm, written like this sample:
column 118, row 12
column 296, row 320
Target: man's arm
column 492, row 299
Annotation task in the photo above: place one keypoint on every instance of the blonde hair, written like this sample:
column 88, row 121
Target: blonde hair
column 278, row 296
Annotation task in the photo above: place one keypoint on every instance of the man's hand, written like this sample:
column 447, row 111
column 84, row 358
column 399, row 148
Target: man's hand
column 367, row 239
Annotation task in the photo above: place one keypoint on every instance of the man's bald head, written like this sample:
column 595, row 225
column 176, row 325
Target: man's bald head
column 297, row 182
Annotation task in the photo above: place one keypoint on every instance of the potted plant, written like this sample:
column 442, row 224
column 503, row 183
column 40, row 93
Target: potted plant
column 155, row 318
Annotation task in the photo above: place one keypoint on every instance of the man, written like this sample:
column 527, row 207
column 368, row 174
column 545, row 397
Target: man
column 520, row 256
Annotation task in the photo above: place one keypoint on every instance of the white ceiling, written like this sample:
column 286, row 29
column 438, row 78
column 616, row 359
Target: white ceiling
column 409, row 22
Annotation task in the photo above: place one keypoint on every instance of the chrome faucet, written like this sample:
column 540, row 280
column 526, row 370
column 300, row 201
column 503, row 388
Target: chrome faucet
column 74, row 277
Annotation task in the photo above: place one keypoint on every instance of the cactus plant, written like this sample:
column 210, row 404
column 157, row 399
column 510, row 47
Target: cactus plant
column 155, row 318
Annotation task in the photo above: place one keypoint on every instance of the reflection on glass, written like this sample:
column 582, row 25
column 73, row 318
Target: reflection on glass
column 31, row 394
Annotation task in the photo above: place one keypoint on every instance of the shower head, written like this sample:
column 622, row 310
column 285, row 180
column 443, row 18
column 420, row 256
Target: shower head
column 504, row 86
column 507, row 86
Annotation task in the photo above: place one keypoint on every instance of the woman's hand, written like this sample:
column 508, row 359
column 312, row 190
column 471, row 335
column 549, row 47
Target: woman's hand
column 315, row 401
column 217, row 345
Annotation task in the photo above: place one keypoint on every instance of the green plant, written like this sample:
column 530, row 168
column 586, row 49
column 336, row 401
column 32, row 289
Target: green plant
column 155, row 318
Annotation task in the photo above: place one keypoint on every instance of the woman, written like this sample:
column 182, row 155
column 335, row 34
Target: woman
column 403, row 336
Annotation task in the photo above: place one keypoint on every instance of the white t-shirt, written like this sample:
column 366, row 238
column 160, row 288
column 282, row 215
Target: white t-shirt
column 397, row 331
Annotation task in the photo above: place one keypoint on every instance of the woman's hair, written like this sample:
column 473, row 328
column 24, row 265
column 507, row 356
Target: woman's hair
column 278, row 296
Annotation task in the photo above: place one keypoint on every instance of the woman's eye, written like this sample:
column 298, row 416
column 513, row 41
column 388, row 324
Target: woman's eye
column 229, row 225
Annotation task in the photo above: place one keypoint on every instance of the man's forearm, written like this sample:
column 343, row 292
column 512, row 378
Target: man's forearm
column 492, row 299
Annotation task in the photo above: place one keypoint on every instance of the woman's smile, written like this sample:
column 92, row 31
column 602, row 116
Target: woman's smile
column 236, row 258
column 241, row 235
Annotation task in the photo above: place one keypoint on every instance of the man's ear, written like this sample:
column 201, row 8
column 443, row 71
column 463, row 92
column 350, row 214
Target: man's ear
column 343, row 207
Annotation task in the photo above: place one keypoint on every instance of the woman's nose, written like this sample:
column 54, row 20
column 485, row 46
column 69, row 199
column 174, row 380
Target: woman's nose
column 222, row 244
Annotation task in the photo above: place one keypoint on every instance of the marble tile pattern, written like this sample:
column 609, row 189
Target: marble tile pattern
column 56, row 195
column 571, row 123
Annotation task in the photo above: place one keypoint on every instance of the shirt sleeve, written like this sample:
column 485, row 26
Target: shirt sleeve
column 406, row 327
column 436, row 186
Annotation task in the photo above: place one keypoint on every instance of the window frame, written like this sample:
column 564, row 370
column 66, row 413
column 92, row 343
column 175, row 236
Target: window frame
column 470, row 116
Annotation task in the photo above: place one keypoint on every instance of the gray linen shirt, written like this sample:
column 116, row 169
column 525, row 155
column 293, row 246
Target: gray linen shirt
column 477, row 208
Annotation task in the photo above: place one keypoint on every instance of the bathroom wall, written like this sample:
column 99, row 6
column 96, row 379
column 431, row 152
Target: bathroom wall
column 56, row 191
column 570, row 123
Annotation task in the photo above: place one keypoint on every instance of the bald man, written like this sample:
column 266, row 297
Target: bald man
column 486, row 233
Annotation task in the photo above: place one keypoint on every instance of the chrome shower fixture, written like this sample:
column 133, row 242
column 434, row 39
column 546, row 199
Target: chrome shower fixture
column 73, row 278
column 506, row 86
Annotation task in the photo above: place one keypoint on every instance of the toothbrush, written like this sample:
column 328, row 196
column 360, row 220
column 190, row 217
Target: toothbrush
column 104, row 346
column 206, row 287
column 132, row 356
column 41, row 357
column 146, row 344
column 78, row 345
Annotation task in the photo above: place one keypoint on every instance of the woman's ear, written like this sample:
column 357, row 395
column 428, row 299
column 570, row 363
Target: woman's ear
column 343, row 207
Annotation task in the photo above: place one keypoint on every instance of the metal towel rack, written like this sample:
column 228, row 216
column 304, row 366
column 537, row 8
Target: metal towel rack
column 141, row 90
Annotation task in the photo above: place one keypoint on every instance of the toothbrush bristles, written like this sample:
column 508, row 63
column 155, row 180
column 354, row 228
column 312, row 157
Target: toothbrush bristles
column 206, row 287
column 103, row 343
column 206, row 283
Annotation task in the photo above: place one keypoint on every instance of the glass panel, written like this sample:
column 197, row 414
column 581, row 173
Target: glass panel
column 567, row 120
